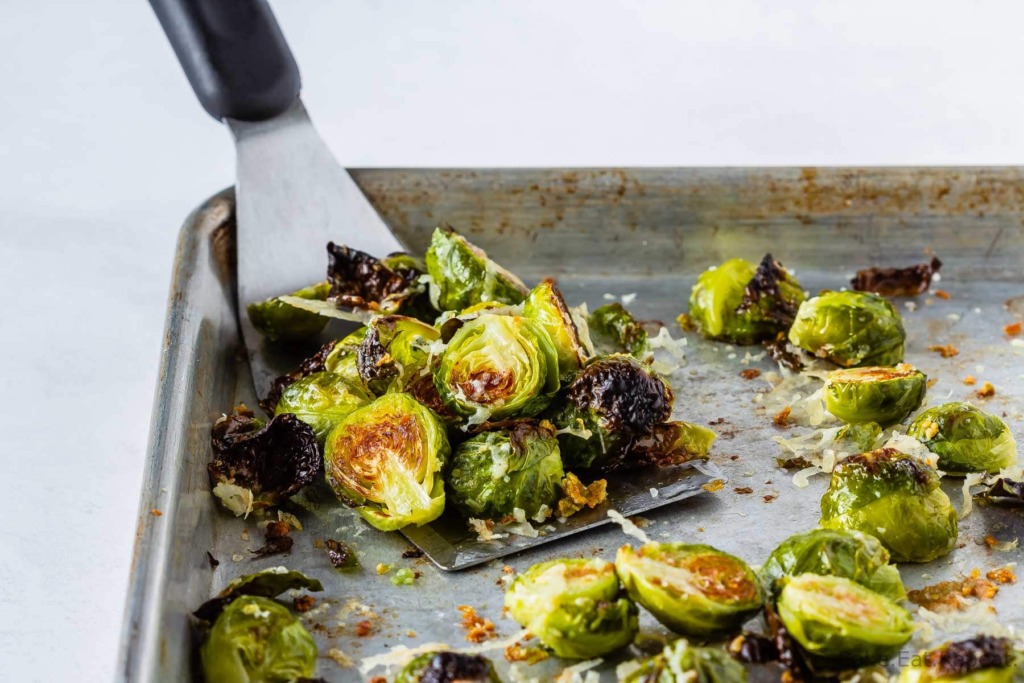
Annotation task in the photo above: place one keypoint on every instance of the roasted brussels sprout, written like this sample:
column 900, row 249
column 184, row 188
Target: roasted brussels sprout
column 546, row 307
column 343, row 356
column 448, row 667
column 611, row 402
column 498, row 367
column 268, row 583
column 391, row 285
column 394, row 353
column 858, row 437
column 385, row 460
column 615, row 330
column 851, row 329
column 672, row 443
column 463, row 275
column 496, row 472
column 256, row 465
column 742, row 303
column 575, row 607
column 833, row 552
column 681, row 662
column 840, row 623
column 256, row 640
column 694, row 590
column 278, row 321
column 983, row 659
column 321, row 400
column 873, row 394
column 894, row 497
column 965, row 438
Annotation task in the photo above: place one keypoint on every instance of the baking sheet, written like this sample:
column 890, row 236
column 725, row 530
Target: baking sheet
column 647, row 232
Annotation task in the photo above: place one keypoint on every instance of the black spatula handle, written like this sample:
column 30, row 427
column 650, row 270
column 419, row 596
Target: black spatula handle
column 234, row 55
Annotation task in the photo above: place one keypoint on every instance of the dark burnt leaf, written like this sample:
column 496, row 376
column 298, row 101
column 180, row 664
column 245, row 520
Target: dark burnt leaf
column 624, row 393
column 754, row 648
column 790, row 654
column 763, row 293
column 362, row 281
column 1005, row 490
column 783, row 353
column 668, row 444
column 314, row 363
column 909, row 281
column 960, row 659
column 341, row 555
column 214, row 562
column 268, row 583
column 375, row 365
column 278, row 540
column 412, row 553
column 454, row 667
column 273, row 461
column 424, row 390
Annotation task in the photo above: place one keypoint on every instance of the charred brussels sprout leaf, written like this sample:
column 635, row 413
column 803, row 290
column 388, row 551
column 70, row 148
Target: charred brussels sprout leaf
column 743, row 303
column 269, row 461
column 673, row 443
column 613, row 401
column 547, row 308
column 448, row 667
column 321, row 400
column 834, row 552
column 498, row 367
column 965, row 438
column 385, row 460
column 395, row 353
column 895, row 498
column 361, row 281
column 575, row 607
column 256, row 640
column 694, row 590
column 874, row 394
column 615, row 330
column 851, row 329
column 268, row 583
column 909, row 281
column 315, row 363
column 983, row 659
column 463, row 275
column 278, row 321
column 840, row 623
column 496, row 472
column 682, row 662
column 1004, row 490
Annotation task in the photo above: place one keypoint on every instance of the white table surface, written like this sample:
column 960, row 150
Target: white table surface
column 103, row 151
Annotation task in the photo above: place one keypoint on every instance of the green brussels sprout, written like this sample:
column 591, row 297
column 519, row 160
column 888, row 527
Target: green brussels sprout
column 546, row 307
column 342, row 358
column 681, row 662
column 965, row 438
column 278, row 321
column 574, row 607
column 463, row 275
column 673, row 443
column 840, row 623
column 742, row 303
column 385, row 460
column 894, row 497
column 611, row 402
column 495, row 472
column 695, row 590
column 983, row 659
column 395, row 352
column 321, row 400
column 256, row 640
column 448, row 667
column 851, row 329
column 858, row 437
column 874, row 394
column 498, row 367
column 833, row 552
column 615, row 330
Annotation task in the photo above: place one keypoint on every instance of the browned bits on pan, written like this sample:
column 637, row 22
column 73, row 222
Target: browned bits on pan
column 970, row 381
column 770, row 497
column 750, row 373
column 932, row 382
column 156, row 513
column 531, row 655
column 947, row 596
column 1002, row 575
column 378, row 679
column 713, row 486
column 781, row 418
column 1013, row 329
column 364, row 628
column 909, row 281
column 986, row 390
column 943, row 294
column 277, row 540
column 304, row 603
column 578, row 495
column 743, row 490
column 478, row 629
column 214, row 562
column 946, row 351
column 411, row 553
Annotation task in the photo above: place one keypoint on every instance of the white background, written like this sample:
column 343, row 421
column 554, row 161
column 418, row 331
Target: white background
column 103, row 151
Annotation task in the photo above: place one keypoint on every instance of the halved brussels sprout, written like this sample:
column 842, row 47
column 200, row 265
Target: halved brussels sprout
column 278, row 321
column 574, row 607
column 498, row 367
column 611, row 402
column 743, row 303
column 256, row 640
column 463, row 275
column 673, row 443
column 851, row 329
column 395, row 353
column 321, row 400
column 448, row 667
column 496, row 472
column 389, row 285
column 894, row 497
column 681, row 662
column 385, row 460
column 874, row 394
column 695, row 590
column 834, row 552
column 983, row 659
column 615, row 330
column 546, row 307
column 840, row 623
column 965, row 438
column 342, row 358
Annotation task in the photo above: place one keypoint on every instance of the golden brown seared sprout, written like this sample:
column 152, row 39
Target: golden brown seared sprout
column 894, row 497
column 681, row 662
column 965, row 438
column 742, row 303
column 546, row 306
column 983, row 659
column 448, row 667
column 462, row 275
column 875, row 394
column 385, row 460
column 695, row 590
column 851, row 329
column 278, row 321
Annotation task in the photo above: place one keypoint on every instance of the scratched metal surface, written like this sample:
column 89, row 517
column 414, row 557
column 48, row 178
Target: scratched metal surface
column 622, row 231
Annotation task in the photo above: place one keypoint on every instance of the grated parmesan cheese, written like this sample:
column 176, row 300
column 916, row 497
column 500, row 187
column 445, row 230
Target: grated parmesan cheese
column 628, row 527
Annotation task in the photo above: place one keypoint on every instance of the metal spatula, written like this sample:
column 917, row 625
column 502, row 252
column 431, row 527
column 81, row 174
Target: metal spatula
column 292, row 195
